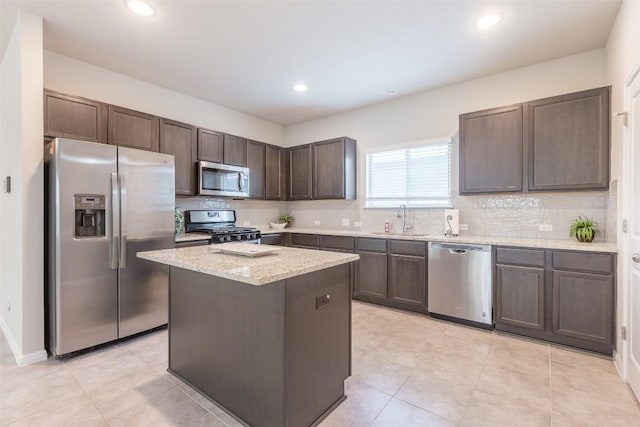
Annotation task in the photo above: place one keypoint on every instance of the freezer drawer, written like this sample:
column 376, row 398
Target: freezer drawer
column 460, row 281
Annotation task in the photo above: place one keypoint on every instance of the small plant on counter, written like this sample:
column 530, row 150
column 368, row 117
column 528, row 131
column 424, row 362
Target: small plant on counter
column 285, row 219
column 584, row 229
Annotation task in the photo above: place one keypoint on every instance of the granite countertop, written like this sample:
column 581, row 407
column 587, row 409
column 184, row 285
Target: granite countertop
column 480, row 240
column 282, row 264
column 192, row 237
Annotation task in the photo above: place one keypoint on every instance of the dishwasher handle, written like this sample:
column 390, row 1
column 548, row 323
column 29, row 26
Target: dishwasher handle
column 460, row 249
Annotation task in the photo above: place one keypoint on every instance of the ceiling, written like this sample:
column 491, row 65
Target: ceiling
column 247, row 55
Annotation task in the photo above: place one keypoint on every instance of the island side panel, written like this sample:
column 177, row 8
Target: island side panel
column 318, row 342
column 226, row 338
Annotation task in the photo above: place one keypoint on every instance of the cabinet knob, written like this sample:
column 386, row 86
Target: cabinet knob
column 636, row 258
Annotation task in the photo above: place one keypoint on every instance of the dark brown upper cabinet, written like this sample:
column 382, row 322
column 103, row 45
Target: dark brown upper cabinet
column 235, row 150
column 300, row 174
column 74, row 117
column 273, row 173
column 210, row 146
column 334, row 169
column 179, row 139
column 491, row 151
column 558, row 143
column 256, row 164
column 129, row 128
column 568, row 141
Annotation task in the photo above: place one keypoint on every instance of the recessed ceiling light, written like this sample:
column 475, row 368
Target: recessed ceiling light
column 390, row 91
column 141, row 8
column 488, row 21
column 300, row 87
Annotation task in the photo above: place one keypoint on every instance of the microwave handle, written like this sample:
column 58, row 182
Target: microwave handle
column 241, row 181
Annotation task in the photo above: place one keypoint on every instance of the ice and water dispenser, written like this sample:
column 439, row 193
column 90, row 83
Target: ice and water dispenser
column 90, row 215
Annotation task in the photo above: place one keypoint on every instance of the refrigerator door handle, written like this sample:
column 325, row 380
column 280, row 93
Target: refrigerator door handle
column 123, row 222
column 115, row 223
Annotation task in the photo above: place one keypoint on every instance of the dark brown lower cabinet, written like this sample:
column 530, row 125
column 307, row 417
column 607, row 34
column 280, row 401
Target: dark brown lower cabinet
column 408, row 279
column 565, row 297
column 520, row 296
column 583, row 306
column 371, row 275
column 273, row 239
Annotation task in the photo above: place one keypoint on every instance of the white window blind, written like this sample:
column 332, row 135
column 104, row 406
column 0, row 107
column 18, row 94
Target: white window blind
column 417, row 176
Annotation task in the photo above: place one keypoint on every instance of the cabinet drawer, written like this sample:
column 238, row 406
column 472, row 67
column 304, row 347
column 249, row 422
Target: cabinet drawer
column 532, row 257
column 337, row 242
column 580, row 261
column 273, row 239
column 371, row 245
column 408, row 248
column 307, row 240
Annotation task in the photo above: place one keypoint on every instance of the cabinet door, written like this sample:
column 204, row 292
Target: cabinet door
column 371, row 275
column 210, row 146
column 179, row 139
column 408, row 280
column 256, row 164
column 520, row 296
column 235, row 150
column 273, row 173
column 583, row 306
column 133, row 129
column 568, row 141
column 75, row 118
column 328, row 169
column 300, row 173
column 491, row 151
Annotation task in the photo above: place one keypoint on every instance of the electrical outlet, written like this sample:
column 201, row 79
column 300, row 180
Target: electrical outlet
column 345, row 222
column 357, row 223
column 545, row 227
column 246, row 223
column 316, row 222
column 463, row 227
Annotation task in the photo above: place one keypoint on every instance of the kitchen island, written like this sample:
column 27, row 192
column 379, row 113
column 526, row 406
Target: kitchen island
column 268, row 338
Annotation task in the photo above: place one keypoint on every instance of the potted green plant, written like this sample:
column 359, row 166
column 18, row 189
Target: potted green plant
column 584, row 229
column 283, row 221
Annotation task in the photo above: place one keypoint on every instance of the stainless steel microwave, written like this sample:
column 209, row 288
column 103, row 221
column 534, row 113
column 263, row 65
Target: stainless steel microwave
column 216, row 179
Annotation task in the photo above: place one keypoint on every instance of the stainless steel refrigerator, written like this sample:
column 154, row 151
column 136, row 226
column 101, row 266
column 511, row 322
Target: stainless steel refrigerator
column 104, row 204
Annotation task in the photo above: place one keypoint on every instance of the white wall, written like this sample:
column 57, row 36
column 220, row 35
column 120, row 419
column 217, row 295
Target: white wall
column 623, row 56
column 74, row 77
column 21, row 222
column 435, row 114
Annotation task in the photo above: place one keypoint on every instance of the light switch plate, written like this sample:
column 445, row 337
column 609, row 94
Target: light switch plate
column 463, row 227
column 316, row 222
column 7, row 184
column 545, row 227
column 357, row 223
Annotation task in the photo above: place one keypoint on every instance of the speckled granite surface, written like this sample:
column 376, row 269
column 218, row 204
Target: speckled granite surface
column 192, row 237
column 285, row 263
column 484, row 240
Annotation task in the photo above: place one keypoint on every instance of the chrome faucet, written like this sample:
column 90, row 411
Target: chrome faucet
column 403, row 209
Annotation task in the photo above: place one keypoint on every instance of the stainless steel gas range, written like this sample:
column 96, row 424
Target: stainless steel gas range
column 221, row 225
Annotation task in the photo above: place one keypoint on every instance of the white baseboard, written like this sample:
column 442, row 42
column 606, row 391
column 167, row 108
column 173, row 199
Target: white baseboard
column 21, row 359
column 617, row 362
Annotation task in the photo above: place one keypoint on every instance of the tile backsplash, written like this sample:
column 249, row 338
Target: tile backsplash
column 517, row 215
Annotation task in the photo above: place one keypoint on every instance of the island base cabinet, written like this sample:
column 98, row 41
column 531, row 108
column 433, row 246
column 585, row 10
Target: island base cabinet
column 583, row 306
column 271, row 355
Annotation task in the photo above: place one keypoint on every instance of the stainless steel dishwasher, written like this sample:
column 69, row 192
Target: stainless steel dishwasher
column 460, row 283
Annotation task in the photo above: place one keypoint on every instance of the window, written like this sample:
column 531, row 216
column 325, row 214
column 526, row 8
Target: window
column 418, row 176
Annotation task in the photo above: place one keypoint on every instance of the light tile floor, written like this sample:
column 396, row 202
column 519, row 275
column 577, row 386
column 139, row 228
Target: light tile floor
column 408, row 370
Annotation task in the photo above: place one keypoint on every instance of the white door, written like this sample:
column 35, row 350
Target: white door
column 631, row 261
